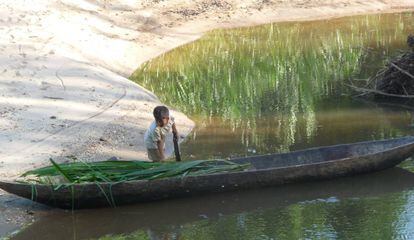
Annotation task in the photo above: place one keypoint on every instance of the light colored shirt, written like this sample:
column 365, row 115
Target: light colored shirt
column 155, row 133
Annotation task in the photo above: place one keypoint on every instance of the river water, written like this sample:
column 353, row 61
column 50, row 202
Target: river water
column 272, row 88
column 281, row 87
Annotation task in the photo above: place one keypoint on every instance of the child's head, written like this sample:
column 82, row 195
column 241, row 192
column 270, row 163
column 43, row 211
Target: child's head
column 161, row 115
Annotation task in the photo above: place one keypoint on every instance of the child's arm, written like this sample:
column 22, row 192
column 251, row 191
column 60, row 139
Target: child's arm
column 160, row 145
column 173, row 126
column 174, row 130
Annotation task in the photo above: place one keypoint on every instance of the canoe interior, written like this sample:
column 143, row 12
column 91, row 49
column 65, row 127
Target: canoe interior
column 322, row 154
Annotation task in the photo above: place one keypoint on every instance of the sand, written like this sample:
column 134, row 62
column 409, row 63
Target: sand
column 64, row 90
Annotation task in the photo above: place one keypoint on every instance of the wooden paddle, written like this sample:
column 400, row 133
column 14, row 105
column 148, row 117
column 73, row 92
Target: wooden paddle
column 176, row 148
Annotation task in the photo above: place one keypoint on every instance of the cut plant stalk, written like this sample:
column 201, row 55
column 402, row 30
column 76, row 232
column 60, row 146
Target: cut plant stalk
column 120, row 171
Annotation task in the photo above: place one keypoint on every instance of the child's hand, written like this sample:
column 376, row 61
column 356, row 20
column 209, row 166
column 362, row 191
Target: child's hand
column 174, row 129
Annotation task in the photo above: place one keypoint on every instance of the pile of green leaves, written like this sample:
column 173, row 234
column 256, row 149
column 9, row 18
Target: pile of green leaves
column 119, row 171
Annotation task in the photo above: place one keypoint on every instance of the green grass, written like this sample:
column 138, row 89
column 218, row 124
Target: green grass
column 272, row 68
column 120, row 171
column 283, row 69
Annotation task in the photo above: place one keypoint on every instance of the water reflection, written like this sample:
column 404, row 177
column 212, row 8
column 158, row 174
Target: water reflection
column 336, row 122
column 271, row 88
column 346, row 208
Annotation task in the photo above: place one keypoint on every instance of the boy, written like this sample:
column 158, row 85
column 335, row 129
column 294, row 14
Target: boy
column 155, row 135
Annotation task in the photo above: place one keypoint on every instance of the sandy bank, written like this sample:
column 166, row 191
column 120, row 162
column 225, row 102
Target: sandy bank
column 63, row 86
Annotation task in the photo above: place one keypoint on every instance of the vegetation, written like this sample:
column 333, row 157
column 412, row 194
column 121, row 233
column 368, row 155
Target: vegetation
column 119, row 171
column 393, row 81
column 276, row 67
column 267, row 83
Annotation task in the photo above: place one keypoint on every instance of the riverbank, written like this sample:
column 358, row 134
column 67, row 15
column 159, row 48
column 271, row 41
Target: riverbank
column 65, row 93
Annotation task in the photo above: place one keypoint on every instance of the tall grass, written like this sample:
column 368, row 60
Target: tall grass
column 244, row 74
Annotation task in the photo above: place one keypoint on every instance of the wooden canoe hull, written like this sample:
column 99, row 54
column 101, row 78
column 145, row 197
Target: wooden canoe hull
column 178, row 212
column 267, row 170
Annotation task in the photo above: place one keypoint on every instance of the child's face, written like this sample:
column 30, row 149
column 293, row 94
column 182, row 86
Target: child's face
column 164, row 121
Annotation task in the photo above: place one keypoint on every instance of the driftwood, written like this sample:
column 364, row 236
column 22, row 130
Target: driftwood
column 366, row 91
column 395, row 80
column 403, row 71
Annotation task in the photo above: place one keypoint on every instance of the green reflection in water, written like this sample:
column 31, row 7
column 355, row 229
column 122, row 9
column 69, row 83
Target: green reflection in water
column 359, row 218
column 320, row 219
column 271, row 68
column 271, row 88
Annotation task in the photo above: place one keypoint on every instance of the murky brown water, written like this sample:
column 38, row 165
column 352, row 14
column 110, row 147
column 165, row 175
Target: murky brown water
column 338, row 121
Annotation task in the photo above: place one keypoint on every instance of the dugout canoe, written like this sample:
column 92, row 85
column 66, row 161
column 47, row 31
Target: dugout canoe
column 93, row 224
column 266, row 170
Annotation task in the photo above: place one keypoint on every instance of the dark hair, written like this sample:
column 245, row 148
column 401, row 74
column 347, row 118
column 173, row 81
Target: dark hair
column 160, row 112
